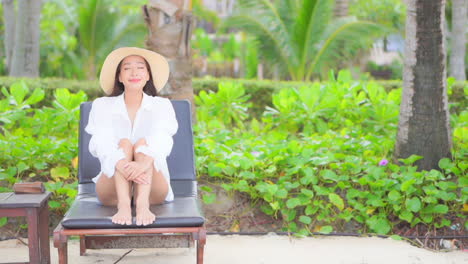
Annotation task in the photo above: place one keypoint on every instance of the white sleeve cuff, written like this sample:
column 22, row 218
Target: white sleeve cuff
column 109, row 162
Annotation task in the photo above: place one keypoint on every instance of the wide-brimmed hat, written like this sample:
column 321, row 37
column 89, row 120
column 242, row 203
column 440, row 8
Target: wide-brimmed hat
column 158, row 64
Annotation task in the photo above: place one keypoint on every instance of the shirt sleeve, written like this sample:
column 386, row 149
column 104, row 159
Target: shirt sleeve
column 103, row 144
column 160, row 142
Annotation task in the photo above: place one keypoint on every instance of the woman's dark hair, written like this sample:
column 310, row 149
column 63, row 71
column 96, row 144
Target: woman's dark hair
column 148, row 89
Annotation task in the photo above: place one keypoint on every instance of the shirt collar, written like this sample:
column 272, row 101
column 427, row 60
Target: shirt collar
column 121, row 108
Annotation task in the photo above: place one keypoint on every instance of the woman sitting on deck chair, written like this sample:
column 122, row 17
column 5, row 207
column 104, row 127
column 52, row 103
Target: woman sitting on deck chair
column 131, row 134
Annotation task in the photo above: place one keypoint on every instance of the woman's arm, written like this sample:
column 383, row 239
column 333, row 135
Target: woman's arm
column 103, row 144
column 160, row 142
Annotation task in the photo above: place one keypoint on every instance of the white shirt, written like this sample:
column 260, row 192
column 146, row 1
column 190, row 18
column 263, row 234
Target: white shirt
column 109, row 122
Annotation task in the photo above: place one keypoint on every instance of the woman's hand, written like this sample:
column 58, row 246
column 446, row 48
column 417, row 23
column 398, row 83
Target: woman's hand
column 121, row 166
column 132, row 170
column 144, row 178
column 146, row 164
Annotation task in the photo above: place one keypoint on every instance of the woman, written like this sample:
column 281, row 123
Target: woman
column 131, row 134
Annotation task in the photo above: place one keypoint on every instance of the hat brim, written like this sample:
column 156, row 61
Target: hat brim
column 158, row 64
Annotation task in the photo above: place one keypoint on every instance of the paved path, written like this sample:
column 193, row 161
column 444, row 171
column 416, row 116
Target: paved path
column 259, row 250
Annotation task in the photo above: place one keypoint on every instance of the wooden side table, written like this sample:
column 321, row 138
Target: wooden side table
column 36, row 210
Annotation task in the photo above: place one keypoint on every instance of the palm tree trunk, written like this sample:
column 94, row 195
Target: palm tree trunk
column 457, row 57
column 424, row 121
column 9, row 20
column 341, row 8
column 25, row 57
column 170, row 25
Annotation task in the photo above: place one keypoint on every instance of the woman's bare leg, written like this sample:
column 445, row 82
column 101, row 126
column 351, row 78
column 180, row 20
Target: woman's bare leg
column 146, row 194
column 116, row 191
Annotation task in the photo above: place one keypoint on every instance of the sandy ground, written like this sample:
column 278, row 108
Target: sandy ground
column 269, row 249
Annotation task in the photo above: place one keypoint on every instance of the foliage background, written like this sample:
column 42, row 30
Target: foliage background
column 313, row 158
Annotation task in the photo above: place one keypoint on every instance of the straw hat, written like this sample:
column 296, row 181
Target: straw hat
column 158, row 64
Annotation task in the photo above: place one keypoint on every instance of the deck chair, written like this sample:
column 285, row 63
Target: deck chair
column 178, row 224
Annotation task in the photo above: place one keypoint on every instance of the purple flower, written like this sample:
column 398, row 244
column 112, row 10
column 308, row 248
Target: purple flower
column 383, row 162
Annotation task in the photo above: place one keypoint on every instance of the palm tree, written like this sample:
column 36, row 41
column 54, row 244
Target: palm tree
column 169, row 25
column 424, row 127
column 457, row 57
column 102, row 29
column 301, row 36
column 23, row 47
column 341, row 8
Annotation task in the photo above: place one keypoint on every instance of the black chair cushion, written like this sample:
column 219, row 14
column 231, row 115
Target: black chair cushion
column 87, row 213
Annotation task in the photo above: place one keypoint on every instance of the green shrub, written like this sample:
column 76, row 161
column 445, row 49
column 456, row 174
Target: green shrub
column 318, row 157
column 40, row 143
column 259, row 92
column 321, row 157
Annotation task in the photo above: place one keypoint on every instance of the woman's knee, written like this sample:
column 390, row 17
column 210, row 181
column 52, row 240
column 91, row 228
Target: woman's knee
column 125, row 144
column 140, row 142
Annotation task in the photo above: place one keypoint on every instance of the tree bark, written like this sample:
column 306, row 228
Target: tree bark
column 424, row 118
column 459, row 25
column 25, row 58
column 341, row 8
column 170, row 27
column 9, row 20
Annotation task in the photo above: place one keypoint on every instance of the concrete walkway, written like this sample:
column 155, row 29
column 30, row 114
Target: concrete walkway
column 269, row 249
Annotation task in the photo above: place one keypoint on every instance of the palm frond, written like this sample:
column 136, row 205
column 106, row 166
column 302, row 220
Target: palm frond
column 341, row 40
column 314, row 19
column 261, row 18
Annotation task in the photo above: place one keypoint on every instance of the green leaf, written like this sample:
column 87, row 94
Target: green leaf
column 281, row 193
column 3, row 221
column 407, row 184
column 293, row 202
column 21, row 167
column 336, row 200
column 275, row 205
column 396, row 237
column 378, row 224
column 305, row 219
column 445, row 163
column 19, row 90
column 206, row 188
column 226, row 187
column 310, row 209
column 289, row 214
column 326, row 229
column 58, row 173
column 329, row 175
column 272, row 188
column 406, row 215
column 209, row 198
column 37, row 95
column 440, row 209
column 308, row 193
column 394, row 195
column 54, row 204
column 413, row 204
column 308, row 177
column 411, row 159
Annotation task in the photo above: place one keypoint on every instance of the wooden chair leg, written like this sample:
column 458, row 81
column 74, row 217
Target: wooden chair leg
column 82, row 246
column 201, row 245
column 61, row 243
column 63, row 253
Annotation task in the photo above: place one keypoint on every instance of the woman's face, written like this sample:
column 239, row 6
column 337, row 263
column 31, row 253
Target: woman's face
column 133, row 73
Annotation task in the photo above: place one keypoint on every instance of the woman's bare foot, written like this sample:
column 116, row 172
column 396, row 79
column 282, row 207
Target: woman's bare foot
column 123, row 215
column 143, row 215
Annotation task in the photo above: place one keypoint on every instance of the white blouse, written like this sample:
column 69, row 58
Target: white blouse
column 109, row 122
